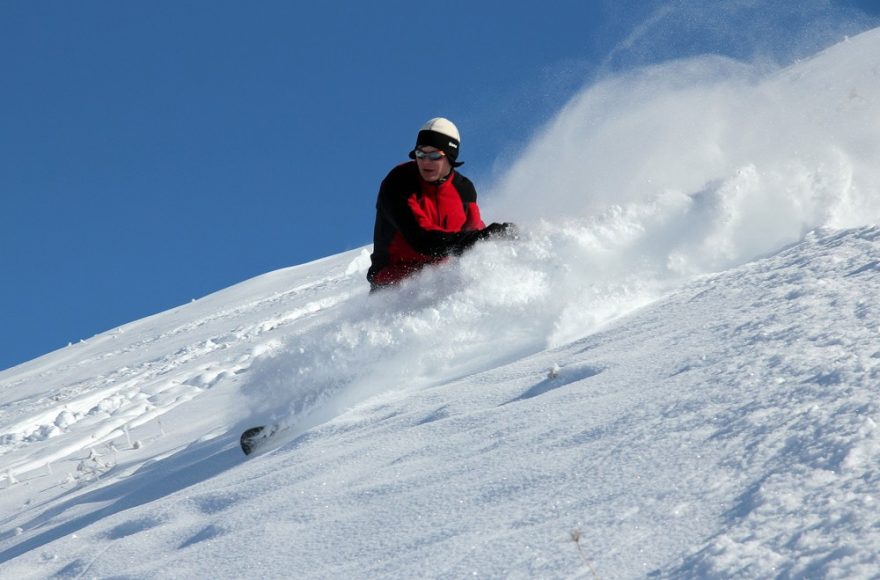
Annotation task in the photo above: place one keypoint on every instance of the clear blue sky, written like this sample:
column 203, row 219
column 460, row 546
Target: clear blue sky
column 154, row 152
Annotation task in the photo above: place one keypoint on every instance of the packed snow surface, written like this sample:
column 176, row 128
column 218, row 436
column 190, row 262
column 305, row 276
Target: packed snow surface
column 678, row 378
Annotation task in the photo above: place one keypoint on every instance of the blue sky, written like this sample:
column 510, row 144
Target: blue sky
column 154, row 152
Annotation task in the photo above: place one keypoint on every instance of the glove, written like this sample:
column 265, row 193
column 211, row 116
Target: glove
column 499, row 230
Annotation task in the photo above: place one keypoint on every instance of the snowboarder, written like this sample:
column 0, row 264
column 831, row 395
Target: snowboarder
column 426, row 210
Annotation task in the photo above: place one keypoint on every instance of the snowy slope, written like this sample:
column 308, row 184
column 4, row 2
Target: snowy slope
column 683, row 376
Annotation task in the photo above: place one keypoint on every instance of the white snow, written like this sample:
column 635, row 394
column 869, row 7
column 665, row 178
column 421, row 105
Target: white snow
column 679, row 379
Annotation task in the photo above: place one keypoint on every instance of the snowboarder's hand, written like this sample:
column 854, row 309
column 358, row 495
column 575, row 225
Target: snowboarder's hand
column 499, row 230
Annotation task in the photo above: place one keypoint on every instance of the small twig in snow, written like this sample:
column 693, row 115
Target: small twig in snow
column 576, row 538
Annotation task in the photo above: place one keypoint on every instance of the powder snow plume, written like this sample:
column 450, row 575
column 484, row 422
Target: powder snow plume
column 698, row 165
column 643, row 181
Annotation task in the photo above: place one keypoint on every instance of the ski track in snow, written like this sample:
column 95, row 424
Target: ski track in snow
column 102, row 411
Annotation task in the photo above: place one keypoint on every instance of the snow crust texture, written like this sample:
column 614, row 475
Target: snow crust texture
column 681, row 381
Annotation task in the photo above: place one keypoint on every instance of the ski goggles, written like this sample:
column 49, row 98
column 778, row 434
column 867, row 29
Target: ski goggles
column 430, row 155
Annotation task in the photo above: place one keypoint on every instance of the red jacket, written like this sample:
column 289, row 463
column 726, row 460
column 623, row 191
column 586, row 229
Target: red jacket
column 420, row 223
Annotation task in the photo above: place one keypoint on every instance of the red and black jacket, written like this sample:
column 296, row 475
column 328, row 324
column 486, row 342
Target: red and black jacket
column 420, row 223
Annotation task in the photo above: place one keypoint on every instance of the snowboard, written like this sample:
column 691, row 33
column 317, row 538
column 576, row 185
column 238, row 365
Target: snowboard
column 255, row 437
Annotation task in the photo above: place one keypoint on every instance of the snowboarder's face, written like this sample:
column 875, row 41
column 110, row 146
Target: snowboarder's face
column 432, row 169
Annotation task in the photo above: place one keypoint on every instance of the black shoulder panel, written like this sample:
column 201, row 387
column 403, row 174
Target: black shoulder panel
column 402, row 180
column 465, row 188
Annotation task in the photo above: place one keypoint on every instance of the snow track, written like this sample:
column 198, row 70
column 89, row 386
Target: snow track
column 108, row 391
